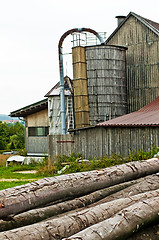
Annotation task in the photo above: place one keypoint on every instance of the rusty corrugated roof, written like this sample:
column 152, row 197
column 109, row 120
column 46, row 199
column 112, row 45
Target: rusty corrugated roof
column 152, row 106
column 146, row 116
column 154, row 24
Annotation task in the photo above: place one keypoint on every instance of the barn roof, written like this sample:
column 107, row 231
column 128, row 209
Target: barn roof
column 146, row 116
column 68, row 86
column 148, row 23
column 30, row 109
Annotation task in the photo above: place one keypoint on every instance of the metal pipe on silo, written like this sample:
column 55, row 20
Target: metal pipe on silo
column 62, row 93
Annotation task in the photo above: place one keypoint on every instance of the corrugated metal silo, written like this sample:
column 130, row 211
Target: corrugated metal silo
column 81, row 105
column 106, row 80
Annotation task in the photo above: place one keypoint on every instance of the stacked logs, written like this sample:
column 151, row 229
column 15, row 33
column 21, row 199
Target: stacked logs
column 110, row 203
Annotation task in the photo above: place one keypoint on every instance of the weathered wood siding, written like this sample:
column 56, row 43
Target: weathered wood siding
column 99, row 141
column 142, row 62
column 37, row 144
column 54, row 104
column 38, row 119
column 106, row 74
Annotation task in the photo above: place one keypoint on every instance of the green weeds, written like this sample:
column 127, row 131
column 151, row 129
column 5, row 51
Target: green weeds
column 74, row 163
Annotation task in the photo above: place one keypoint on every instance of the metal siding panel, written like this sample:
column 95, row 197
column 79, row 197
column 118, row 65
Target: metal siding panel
column 81, row 105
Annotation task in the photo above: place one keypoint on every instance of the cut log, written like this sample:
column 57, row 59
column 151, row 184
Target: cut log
column 39, row 214
column 26, row 197
column 122, row 190
column 123, row 224
column 67, row 225
column 148, row 183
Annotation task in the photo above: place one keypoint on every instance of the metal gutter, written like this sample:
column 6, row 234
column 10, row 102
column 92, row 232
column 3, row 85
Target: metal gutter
column 62, row 93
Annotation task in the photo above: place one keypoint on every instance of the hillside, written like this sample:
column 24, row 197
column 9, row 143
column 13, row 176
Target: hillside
column 4, row 117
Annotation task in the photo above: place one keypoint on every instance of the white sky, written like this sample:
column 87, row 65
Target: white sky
column 29, row 34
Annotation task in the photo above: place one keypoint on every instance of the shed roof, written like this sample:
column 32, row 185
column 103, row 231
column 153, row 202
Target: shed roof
column 30, row 109
column 148, row 23
column 146, row 116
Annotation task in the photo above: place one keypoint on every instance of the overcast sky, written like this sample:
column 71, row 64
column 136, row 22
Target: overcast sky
column 29, row 34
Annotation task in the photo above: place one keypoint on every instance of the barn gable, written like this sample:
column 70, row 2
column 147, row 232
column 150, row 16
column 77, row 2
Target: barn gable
column 141, row 36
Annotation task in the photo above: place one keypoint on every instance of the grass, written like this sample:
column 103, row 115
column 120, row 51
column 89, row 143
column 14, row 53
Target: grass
column 48, row 168
column 11, row 172
column 6, row 184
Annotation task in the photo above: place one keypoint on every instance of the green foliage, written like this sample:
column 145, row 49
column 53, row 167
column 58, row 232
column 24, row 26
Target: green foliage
column 46, row 168
column 11, row 136
column 75, row 162
column 103, row 162
column 141, row 155
column 4, row 135
column 65, row 159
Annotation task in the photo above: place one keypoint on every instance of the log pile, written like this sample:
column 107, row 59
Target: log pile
column 111, row 203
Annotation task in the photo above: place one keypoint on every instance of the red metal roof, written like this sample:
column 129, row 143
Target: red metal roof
column 146, row 116
column 154, row 24
column 152, row 106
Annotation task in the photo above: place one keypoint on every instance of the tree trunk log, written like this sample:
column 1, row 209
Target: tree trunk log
column 148, row 183
column 123, row 224
column 39, row 214
column 122, row 190
column 67, row 225
column 19, row 199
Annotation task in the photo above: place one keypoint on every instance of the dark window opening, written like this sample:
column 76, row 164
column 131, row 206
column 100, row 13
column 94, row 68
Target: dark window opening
column 38, row 131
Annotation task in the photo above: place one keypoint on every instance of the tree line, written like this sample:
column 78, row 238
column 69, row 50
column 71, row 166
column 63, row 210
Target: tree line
column 11, row 136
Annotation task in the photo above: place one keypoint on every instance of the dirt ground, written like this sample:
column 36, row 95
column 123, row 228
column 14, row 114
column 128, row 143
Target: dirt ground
column 150, row 233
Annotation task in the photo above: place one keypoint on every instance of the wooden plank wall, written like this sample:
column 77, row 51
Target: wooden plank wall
column 99, row 141
column 37, row 145
column 142, row 62
column 106, row 74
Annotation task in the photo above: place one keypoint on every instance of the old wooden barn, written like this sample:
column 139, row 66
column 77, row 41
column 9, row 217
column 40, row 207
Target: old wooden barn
column 138, row 130
column 110, row 81
column 141, row 37
column 131, row 132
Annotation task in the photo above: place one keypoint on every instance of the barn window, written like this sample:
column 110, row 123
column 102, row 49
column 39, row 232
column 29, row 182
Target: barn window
column 38, row 131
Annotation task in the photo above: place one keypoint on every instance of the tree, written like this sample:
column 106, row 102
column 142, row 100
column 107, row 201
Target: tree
column 17, row 135
column 4, row 135
column 11, row 137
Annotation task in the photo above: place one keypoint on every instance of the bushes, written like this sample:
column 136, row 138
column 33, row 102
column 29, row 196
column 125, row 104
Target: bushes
column 11, row 136
column 77, row 164
column 141, row 155
column 46, row 168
